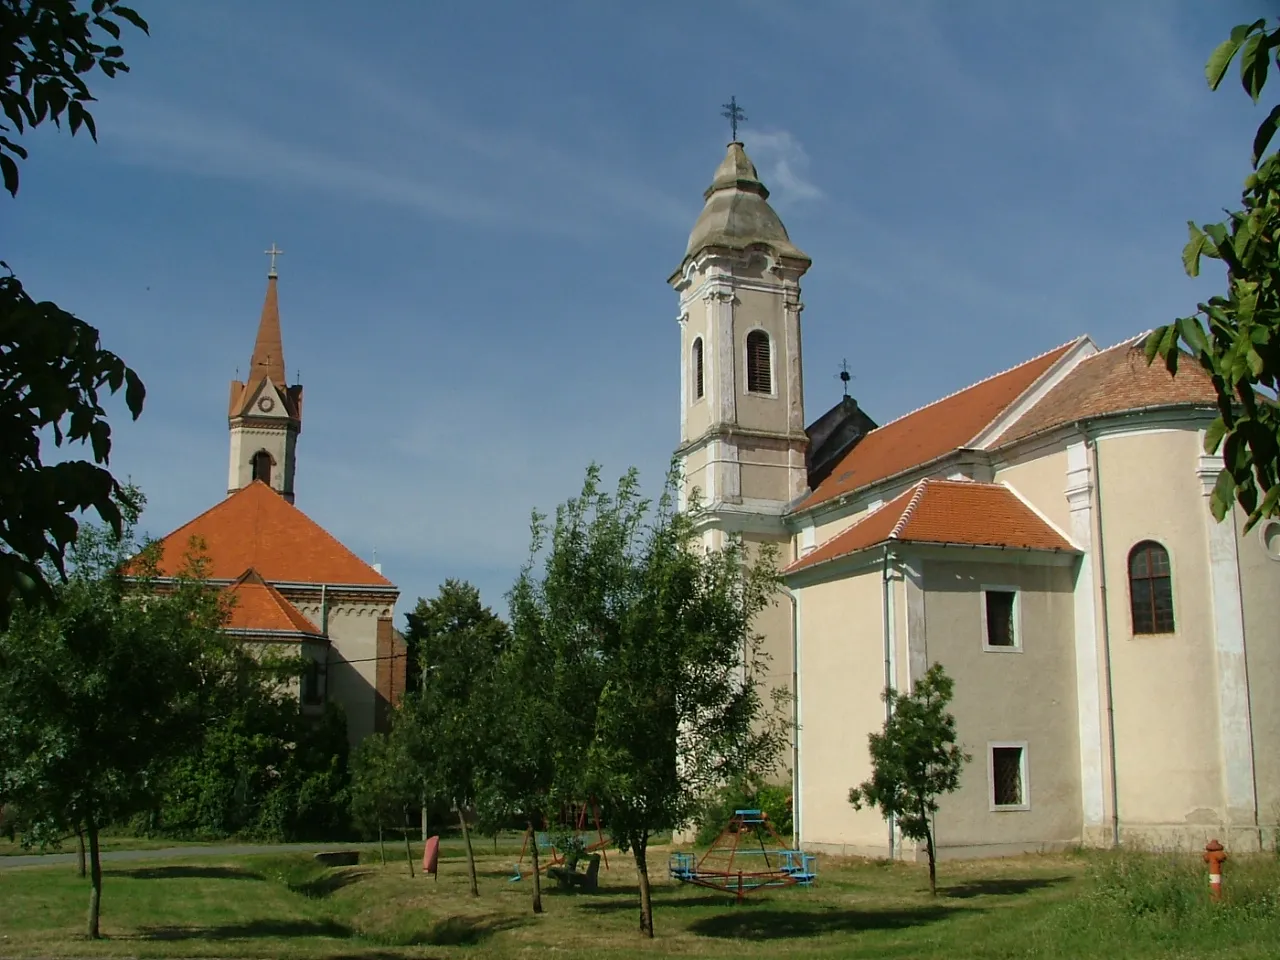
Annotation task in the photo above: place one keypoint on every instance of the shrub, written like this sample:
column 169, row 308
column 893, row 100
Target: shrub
column 773, row 799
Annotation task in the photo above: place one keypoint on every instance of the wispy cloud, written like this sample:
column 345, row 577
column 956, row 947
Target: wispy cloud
column 784, row 165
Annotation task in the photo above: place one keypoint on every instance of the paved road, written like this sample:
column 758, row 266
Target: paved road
column 168, row 853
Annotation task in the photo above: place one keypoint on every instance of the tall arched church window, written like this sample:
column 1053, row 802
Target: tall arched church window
column 1150, row 588
column 697, row 369
column 262, row 467
column 759, row 363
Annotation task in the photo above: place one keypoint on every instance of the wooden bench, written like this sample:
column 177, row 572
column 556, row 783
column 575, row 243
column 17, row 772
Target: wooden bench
column 587, row 880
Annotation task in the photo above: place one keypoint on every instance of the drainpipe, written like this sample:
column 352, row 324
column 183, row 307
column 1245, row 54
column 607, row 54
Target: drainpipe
column 795, row 717
column 887, row 607
column 1106, row 642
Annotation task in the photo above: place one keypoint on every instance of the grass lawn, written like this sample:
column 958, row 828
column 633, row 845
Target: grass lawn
column 1086, row 905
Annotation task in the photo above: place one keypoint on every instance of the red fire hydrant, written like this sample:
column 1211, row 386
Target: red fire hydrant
column 1215, row 856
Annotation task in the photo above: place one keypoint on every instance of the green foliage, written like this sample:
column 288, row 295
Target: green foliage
column 100, row 690
column 773, row 799
column 52, row 367
column 46, row 48
column 1236, row 338
column 646, row 660
column 262, row 771
column 450, row 723
column 914, row 759
column 383, row 783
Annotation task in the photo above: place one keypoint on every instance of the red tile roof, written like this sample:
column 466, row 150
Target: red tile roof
column 258, row 606
column 1113, row 381
column 958, row 512
column 933, row 431
column 256, row 527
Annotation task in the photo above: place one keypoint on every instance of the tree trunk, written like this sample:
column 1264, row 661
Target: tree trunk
column 424, row 819
column 408, row 851
column 95, row 881
column 537, row 880
column 80, row 852
column 933, row 860
column 471, row 857
column 640, row 850
column 382, row 847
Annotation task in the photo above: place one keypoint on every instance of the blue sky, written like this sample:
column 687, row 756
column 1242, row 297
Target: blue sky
column 480, row 204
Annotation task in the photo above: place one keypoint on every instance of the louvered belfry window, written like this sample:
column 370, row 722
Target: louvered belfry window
column 697, row 369
column 1151, row 588
column 759, row 363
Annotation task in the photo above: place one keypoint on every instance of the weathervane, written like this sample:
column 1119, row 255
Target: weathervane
column 273, row 253
column 733, row 113
column 845, row 376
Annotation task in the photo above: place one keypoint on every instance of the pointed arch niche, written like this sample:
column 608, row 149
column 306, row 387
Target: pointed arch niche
column 261, row 464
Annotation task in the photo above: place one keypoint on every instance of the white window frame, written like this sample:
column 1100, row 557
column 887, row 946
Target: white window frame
column 1017, row 617
column 1023, row 772
column 746, row 364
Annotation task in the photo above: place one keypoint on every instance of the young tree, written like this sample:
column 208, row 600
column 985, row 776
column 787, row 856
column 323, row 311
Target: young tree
column 915, row 760
column 657, row 633
column 98, row 692
column 383, row 785
column 1236, row 337
column 52, row 366
column 457, row 642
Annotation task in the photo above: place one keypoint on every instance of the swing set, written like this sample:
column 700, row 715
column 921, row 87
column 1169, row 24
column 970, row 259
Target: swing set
column 550, row 855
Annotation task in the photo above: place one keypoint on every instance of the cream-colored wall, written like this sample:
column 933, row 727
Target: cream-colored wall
column 352, row 665
column 697, row 411
column 763, row 470
column 1043, row 481
column 1166, row 707
column 1008, row 696
column 695, row 466
column 280, row 442
column 841, row 678
column 1260, row 590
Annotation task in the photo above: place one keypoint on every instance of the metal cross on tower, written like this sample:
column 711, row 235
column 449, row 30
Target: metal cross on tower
column 273, row 253
column 845, row 376
column 733, row 113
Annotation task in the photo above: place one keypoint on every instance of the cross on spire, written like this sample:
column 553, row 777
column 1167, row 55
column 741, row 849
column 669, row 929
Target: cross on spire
column 845, row 376
column 733, row 113
column 273, row 253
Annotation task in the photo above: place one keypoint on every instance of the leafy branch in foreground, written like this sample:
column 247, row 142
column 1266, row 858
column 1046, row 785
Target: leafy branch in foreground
column 1236, row 337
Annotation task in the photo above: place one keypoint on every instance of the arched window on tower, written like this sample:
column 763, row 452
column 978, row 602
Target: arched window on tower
column 262, row 467
column 697, row 369
column 1150, row 588
column 759, row 363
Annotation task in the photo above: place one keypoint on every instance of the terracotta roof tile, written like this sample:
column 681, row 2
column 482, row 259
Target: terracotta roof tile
column 1113, row 381
column 259, row 606
column 932, row 431
column 256, row 527
column 956, row 512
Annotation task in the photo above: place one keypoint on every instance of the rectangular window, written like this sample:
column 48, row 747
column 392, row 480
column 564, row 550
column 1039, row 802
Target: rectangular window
column 1000, row 619
column 1008, row 776
column 312, row 693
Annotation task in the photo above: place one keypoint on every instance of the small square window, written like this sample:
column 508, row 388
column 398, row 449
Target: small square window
column 1008, row 777
column 1000, row 618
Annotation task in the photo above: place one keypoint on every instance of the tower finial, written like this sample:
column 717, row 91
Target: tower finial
column 273, row 253
column 733, row 113
column 845, row 376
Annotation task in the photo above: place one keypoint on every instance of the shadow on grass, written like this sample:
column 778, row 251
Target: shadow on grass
column 613, row 899
column 251, row 930
column 770, row 924
column 457, row 931
column 185, row 872
column 325, row 885
column 1006, row 887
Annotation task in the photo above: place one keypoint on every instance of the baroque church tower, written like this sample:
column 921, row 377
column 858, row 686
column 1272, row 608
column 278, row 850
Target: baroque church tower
column 742, row 429
column 265, row 415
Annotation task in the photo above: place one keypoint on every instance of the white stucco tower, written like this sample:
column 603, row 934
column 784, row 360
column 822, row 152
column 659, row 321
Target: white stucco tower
column 265, row 415
column 742, row 429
